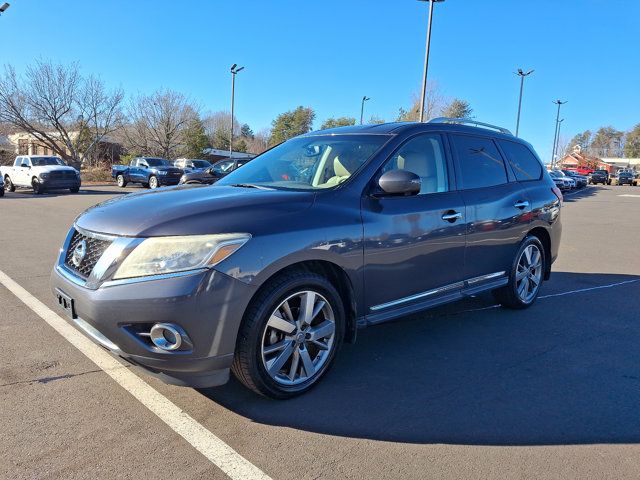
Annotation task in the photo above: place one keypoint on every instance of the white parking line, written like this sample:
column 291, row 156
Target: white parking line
column 219, row 453
column 633, row 195
column 561, row 294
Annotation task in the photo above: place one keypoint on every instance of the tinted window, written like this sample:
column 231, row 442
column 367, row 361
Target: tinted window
column 480, row 162
column 524, row 163
column 424, row 156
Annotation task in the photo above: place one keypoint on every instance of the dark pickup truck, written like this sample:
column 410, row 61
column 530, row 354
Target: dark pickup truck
column 598, row 176
column 150, row 172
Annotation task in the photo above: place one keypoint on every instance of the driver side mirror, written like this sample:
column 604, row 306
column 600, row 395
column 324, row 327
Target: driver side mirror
column 400, row 182
column 25, row 165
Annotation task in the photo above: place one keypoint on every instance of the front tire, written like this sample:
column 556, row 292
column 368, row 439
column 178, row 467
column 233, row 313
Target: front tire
column 153, row 182
column 37, row 186
column 121, row 181
column 526, row 276
column 8, row 184
column 290, row 335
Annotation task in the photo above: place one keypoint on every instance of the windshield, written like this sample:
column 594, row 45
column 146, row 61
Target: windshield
column 308, row 163
column 42, row 161
column 156, row 162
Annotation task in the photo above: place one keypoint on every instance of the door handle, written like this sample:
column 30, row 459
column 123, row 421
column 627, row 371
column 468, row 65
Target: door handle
column 451, row 216
column 522, row 204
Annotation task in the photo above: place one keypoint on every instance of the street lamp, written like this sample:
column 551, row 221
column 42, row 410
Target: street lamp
column 4, row 7
column 234, row 71
column 364, row 99
column 521, row 74
column 555, row 137
column 556, row 140
column 426, row 57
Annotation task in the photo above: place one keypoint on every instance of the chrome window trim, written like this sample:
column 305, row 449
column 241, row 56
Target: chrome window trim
column 452, row 286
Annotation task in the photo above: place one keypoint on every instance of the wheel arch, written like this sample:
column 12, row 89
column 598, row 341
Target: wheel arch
column 338, row 278
column 541, row 234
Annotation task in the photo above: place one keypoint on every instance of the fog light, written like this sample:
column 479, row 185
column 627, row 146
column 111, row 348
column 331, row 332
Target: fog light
column 166, row 336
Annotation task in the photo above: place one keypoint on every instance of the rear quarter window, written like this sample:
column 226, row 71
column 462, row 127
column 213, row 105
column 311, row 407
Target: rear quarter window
column 525, row 164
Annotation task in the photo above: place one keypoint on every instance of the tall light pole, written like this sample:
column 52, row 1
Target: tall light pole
column 521, row 74
column 4, row 7
column 426, row 57
column 234, row 71
column 364, row 99
column 555, row 139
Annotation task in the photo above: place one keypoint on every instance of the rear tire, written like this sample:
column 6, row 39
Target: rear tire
column 281, row 358
column 121, row 181
column 74, row 189
column 526, row 276
column 8, row 184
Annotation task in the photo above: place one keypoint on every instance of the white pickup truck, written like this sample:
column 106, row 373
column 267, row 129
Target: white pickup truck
column 41, row 173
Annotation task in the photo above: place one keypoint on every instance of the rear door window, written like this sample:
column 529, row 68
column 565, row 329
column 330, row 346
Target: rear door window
column 525, row 164
column 481, row 164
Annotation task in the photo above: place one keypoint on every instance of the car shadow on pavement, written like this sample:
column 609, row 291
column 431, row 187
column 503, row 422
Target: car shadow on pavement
column 588, row 191
column 565, row 371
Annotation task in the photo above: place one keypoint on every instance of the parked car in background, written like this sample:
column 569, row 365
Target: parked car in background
column 191, row 164
column 1, row 186
column 264, row 273
column 625, row 177
column 214, row 173
column 148, row 171
column 40, row 173
column 598, row 176
column 568, row 183
column 581, row 181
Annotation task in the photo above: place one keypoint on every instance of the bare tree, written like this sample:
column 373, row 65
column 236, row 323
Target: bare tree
column 260, row 141
column 50, row 103
column 158, row 122
column 434, row 103
column 217, row 126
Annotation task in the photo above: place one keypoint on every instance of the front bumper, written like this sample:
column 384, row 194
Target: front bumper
column 168, row 180
column 208, row 305
column 59, row 184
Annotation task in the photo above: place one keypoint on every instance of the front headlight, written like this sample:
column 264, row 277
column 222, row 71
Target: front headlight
column 161, row 255
column 44, row 175
column 162, row 172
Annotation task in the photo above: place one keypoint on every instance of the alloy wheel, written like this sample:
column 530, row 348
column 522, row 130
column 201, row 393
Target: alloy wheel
column 298, row 338
column 529, row 273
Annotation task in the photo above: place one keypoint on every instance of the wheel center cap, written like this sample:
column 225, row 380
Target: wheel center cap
column 300, row 337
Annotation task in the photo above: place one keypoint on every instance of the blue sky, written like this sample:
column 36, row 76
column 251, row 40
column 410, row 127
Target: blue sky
column 328, row 54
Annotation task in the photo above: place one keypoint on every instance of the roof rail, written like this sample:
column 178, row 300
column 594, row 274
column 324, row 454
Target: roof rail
column 470, row 121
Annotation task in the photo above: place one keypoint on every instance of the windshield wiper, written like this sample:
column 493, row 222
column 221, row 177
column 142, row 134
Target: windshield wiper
column 250, row 185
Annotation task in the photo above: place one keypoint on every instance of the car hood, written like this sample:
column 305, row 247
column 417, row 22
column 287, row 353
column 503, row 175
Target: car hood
column 53, row 168
column 192, row 210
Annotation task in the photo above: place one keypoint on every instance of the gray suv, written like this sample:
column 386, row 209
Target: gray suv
column 267, row 272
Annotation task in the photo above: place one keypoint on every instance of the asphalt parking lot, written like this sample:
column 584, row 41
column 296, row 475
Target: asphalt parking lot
column 464, row 391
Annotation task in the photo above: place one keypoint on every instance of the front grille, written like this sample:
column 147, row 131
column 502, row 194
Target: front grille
column 94, row 250
column 62, row 175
